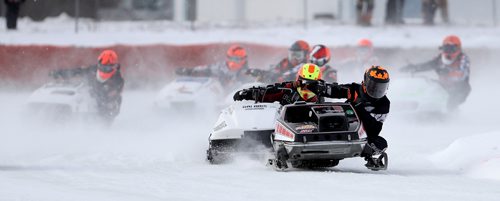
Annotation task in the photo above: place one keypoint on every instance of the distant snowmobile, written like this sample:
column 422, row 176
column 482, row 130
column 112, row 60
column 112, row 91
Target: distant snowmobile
column 189, row 93
column 419, row 95
column 62, row 100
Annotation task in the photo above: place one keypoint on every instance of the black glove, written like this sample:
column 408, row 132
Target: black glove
column 318, row 88
column 244, row 94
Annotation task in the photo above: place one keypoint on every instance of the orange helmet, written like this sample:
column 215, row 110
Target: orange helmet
column 107, row 65
column 365, row 43
column 451, row 48
column 320, row 55
column 236, row 57
column 299, row 52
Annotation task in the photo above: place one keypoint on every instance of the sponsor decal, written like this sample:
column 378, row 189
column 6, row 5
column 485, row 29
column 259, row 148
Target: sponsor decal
column 349, row 112
column 305, row 127
column 254, row 107
column 306, row 131
column 220, row 126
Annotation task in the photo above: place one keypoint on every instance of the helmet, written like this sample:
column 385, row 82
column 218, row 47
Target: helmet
column 364, row 49
column 236, row 57
column 320, row 55
column 450, row 49
column 365, row 43
column 376, row 82
column 107, row 65
column 309, row 71
column 298, row 52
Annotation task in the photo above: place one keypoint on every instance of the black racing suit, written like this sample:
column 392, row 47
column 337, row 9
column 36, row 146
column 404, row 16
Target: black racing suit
column 453, row 77
column 372, row 112
column 107, row 94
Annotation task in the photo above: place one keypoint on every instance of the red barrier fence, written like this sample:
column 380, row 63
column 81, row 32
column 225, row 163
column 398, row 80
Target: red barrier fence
column 30, row 64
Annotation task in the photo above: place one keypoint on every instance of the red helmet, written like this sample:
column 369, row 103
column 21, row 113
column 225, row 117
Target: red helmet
column 298, row 52
column 320, row 55
column 364, row 49
column 451, row 48
column 236, row 57
column 107, row 65
column 365, row 43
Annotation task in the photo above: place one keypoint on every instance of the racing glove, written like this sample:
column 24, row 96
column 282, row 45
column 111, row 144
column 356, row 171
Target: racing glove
column 244, row 94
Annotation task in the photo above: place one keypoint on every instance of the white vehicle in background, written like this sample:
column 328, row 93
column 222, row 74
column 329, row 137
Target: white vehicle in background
column 189, row 93
column 418, row 95
column 62, row 100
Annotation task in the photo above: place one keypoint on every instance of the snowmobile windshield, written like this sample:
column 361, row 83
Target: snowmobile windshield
column 376, row 89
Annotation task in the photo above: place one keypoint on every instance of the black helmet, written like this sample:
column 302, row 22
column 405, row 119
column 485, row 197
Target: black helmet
column 376, row 82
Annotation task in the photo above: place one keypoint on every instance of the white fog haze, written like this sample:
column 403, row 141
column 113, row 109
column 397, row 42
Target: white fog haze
column 148, row 154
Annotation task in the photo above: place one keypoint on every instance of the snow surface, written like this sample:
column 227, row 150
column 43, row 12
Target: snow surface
column 150, row 156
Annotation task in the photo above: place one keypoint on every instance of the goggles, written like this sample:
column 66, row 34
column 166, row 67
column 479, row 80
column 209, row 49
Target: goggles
column 236, row 59
column 449, row 48
column 107, row 68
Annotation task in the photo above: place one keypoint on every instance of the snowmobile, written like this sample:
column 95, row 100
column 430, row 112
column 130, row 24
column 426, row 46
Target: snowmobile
column 244, row 126
column 419, row 95
column 62, row 100
column 189, row 93
column 315, row 135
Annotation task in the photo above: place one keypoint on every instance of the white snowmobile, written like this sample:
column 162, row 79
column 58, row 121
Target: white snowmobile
column 302, row 135
column 418, row 95
column 62, row 100
column 189, row 93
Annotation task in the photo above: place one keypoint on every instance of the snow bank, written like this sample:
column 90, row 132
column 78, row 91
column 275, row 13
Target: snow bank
column 477, row 156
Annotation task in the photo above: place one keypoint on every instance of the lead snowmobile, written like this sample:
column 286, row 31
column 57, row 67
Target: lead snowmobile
column 312, row 135
column 301, row 135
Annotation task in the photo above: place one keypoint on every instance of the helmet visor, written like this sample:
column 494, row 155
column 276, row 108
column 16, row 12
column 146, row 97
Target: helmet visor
column 298, row 56
column 106, row 68
column 376, row 89
column 235, row 59
column 449, row 48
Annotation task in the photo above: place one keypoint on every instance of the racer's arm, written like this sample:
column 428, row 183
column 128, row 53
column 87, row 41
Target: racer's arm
column 335, row 90
column 429, row 65
column 195, row 71
column 69, row 73
column 271, row 93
